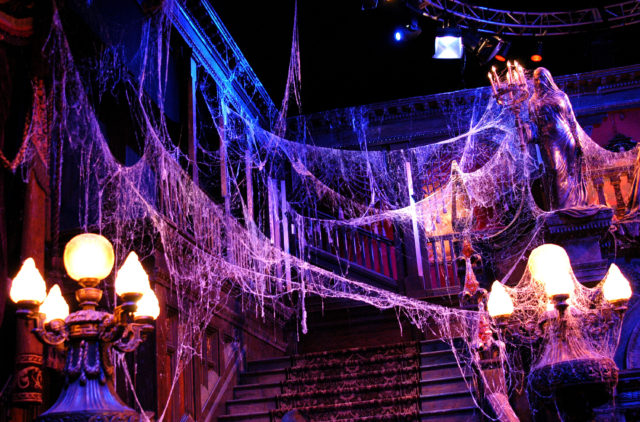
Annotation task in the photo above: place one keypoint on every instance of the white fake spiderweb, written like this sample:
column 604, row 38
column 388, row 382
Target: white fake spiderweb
column 223, row 243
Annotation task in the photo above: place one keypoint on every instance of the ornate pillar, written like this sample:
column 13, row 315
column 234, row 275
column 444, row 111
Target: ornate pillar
column 27, row 388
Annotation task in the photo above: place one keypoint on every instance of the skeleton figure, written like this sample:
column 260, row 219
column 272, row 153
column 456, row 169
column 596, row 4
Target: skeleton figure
column 557, row 133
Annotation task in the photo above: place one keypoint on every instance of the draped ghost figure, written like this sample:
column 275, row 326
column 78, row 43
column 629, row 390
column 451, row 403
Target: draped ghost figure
column 558, row 136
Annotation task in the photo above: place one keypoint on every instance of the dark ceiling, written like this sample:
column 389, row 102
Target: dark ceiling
column 348, row 56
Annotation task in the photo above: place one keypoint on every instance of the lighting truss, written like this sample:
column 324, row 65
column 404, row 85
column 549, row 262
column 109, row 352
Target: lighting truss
column 520, row 23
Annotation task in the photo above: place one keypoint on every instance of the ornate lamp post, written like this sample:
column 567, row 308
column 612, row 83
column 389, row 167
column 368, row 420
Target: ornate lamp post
column 89, row 334
column 569, row 373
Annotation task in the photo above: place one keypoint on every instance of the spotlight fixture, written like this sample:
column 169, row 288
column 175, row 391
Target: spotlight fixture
column 407, row 32
column 537, row 54
column 485, row 47
column 494, row 48
column 448, row 44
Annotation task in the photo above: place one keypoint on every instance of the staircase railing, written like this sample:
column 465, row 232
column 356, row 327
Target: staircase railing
column 372, row 247
column 612, row 186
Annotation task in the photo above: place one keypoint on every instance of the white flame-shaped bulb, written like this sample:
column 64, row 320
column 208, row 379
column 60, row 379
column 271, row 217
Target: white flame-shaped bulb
column 131, row 277
column 54, row 306
column 28, row 284
column 148, row 305
column 499, row 303
column 616, row 287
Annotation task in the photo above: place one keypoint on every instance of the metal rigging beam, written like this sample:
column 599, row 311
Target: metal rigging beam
column 520, row 23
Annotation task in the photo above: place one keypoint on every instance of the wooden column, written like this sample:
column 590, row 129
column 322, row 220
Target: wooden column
column 192, row 123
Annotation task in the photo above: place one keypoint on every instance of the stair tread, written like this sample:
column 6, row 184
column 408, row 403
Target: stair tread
column 250, row 400
column 436, row 352
column 448, row 394
column 361, row 403
column 363, row 388
column 352, row 350
column 266, row 360
column 445, row 411
column 244, row 415
column 356, row 375
column 263, row 371
column 257, row 385
column 439, row 365
column 445, row 379
column 359, row 362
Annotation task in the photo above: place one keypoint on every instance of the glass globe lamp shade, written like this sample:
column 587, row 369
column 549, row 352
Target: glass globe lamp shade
column 28, row 285
column 616, row 287
column 132, row 278
column 549, row 264
column 499, row 303
column 88, row 256
column 148, row 306
column 54, row 306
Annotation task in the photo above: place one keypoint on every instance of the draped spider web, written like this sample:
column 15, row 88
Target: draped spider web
column 216, row 250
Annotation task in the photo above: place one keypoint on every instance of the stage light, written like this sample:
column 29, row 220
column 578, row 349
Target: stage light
column 448, row 44
column 537, row 54
column 496, row 48
column 485, row 47
column 407, row 32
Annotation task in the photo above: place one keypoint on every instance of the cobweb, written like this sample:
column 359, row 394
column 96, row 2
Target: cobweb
column 221, row 239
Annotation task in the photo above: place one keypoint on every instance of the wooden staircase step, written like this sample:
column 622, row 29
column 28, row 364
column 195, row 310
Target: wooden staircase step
column 252, row 405
column 461, row 414
column 362, row 365
column 446, row 401
column 341, row 380
column 395, row 417
column 438, row 356
column 372, row 407
column 356, row 394
column 268, row 376
column 267, row 364
column 440, row 370
column 455, row 384
column 440, row 345
column 246, row 417
column 363, row 351
column 248, row 391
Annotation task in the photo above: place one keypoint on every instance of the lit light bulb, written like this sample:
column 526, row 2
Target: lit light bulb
column 616, row 287
column 500, row 303
column 28, row 285
column 88, row 256
column 54, row 306
column 549, row 264
column 148, row 305
column 131, row 277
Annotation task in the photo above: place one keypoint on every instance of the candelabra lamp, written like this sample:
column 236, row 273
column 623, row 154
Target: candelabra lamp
column 512, row 90
column 570, row 378
column 88, row 334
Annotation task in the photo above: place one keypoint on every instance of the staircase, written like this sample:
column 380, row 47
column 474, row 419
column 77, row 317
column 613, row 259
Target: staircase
column 417, row 381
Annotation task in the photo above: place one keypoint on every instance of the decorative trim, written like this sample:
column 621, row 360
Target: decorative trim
column 217, row 52
column 429, row 107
